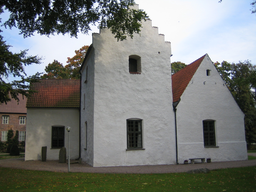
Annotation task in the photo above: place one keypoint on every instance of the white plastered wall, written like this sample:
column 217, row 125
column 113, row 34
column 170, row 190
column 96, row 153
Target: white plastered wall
column 87, row 108
column 207, row 98
column 39, row 132
column 119, row 95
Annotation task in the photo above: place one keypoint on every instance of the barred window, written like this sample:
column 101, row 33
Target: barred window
column 209, row 133
column 5, row 119
column 22, row 120
column 57, row 136
column 134, row 134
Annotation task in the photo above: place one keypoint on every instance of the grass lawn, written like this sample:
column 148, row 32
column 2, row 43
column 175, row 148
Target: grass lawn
column 7, row 156
column 235, row 179
column 251, row 157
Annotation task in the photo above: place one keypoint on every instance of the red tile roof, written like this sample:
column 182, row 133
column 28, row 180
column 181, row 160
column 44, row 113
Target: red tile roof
column 14, row 106
column 57, row 93
column 181, row 79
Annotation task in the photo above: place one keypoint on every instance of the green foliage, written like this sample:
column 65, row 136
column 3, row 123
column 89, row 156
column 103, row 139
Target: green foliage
column 55, row 70
column 13, row 63
column 14, row 151
column 3, row 147
column 176, row 66
column 236, row 179
column 254, row 6
column 240, row 78
column 13, row 143
column 73, row 16
column 9, row 135
column 48, row 17
column 15, row 140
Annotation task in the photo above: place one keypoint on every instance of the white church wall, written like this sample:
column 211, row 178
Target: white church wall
column 119, row 95
column 207, row 98
column 39, row 132
column 87, row 108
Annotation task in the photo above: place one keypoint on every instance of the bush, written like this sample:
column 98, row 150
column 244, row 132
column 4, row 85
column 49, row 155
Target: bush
column 3, row 147
column 14, row 151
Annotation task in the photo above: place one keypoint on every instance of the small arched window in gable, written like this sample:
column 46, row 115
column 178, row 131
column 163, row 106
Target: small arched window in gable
column 134, row 64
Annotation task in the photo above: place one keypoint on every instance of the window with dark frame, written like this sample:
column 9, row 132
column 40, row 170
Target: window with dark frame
column 133, row 65
column 134, row 134
column 58, row 133
column 209, row 133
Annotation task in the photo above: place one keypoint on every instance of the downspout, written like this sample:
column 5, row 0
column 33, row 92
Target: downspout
column 80, row 117
column 175, row 104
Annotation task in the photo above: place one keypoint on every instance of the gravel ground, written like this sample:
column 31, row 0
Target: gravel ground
column 55, row 166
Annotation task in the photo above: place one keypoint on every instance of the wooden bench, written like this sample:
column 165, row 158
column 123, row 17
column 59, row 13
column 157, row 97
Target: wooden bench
column 192, row 160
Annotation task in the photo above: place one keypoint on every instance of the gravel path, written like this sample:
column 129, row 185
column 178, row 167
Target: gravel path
column 63, row 167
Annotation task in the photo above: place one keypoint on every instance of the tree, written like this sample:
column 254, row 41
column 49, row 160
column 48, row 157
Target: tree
column 254, row 6
column 13, row 63
column 252, row 3
column 75, row 62
column 48, row 17
column 240, row 79
column 9, row 140
column 176, row 66
column 56, row 70
column 73, row 16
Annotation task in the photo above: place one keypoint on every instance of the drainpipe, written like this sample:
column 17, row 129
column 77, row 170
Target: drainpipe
column 175, row 104
column 80, row 116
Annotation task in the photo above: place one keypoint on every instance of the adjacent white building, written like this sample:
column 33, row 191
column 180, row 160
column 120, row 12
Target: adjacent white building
column 209, row 122
column 53, row 107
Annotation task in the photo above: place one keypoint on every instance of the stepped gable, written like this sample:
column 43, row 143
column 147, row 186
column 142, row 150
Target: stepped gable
column 154, row 28
column 57, row 93
column 181, row 79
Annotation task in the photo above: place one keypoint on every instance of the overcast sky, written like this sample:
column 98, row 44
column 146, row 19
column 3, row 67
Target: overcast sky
column 226, row 31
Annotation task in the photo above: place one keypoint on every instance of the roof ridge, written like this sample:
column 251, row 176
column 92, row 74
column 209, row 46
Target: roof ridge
column 181, row 79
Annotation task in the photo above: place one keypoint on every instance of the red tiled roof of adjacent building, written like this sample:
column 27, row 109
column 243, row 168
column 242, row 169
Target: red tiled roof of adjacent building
column 55, row 93
column 14, row 106
column 181, row 79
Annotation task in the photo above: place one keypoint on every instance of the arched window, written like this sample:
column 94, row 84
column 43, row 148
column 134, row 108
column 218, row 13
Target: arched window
column 134, row 64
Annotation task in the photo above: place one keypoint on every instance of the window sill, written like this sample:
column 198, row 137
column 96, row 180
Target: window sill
column 211, row 146
column 135, row 149
column 135, row 72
